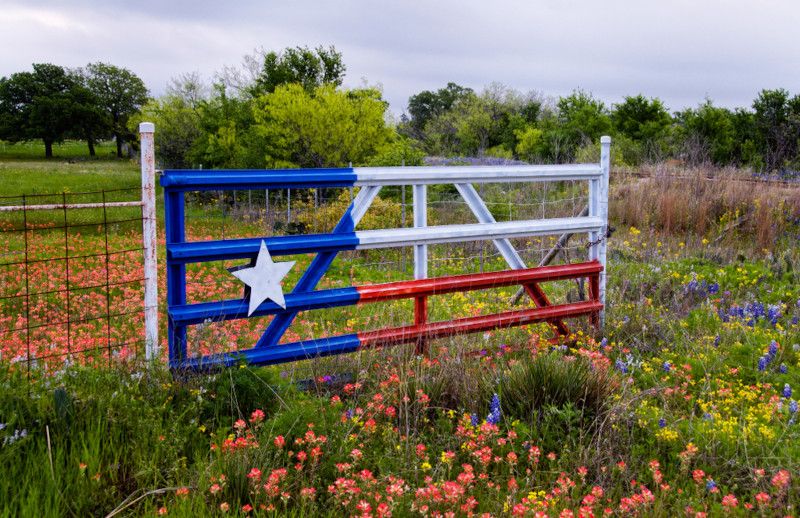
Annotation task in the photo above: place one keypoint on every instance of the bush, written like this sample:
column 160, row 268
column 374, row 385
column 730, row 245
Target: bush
column 553, row 380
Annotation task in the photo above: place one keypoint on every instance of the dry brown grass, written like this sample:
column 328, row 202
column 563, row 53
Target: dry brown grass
column 716, row 203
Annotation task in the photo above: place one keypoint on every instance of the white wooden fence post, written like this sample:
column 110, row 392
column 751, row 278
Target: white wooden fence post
column 149, row 243
column 602, row 195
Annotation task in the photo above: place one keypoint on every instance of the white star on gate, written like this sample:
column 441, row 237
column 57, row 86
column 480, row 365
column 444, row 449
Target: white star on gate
column 263, row 279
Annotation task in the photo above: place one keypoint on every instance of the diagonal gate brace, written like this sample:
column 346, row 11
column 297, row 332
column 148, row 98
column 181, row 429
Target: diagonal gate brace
column 506, row 249
column 320, row 264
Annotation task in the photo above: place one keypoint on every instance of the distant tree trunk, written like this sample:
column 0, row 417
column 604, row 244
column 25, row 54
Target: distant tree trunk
column 48, row 148
column 119, row 145
column 90, row 142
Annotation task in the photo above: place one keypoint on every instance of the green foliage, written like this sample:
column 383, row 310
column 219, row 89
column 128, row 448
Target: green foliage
column 401, row 151
column 777, row 124
column 328, row 128
column 708, row 134
column 551, row 380
column 301, row 65
column 581, row 119
column 427, row 105
column 48, row 104
column 120, row 94
column 177, row 129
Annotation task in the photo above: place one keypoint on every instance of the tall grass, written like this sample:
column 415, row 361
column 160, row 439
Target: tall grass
column 715, row 204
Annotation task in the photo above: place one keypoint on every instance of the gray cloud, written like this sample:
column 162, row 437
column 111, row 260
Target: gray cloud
column 679, row 50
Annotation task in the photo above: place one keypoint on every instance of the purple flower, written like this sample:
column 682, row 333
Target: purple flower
column 473, row 419
column 494, row 410
column 762, row 363
column 783, row 369
column 793, row 406
column 666, row 366
column 773, row 349
column 711, row 485
column 620, row 365
column 716, row 341
column 787, row 391
column 662, row 423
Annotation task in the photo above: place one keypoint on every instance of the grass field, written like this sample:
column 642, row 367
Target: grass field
column 686, row 405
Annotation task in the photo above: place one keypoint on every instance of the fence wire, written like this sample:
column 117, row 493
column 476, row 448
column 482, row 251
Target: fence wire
column 71, row 278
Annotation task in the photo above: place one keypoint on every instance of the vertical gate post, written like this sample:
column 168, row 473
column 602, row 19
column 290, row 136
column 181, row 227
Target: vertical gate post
column 148, row 164
column 600, row 202
column 420, row 260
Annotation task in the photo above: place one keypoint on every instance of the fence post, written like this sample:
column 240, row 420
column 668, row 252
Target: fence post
column 148, row 162
column 420, row 260
column 602, row 207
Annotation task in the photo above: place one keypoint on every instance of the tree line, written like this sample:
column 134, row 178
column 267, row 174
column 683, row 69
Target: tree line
column 53, row 103
column 289, row 109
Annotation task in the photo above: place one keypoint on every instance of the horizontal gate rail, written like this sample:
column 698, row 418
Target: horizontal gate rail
column 237, row 308
column 369, row 239
column 244, row 179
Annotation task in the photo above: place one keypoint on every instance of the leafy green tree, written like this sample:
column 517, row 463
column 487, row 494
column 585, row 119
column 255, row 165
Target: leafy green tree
column 640, row 118
column 301, row 65
column 328, row 128
column 45, row 104
column 178, row 128
column 707, row 133
column 91, row 120
column 121, row 93
column 427, row 105
column 777, row 125
column 228, row 138
column 582, row 118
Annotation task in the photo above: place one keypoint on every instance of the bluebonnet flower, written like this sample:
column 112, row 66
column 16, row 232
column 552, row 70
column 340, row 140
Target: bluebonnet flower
column 783, row 369
column 773, row 314
column 620, row 365
column 603, row 343
column 708, row 417
column 473, row 419
column 793, row 406
column 494, row 410
column 662, row 423
column 716, row 341
column 667, row 366
column 711, row 485
column 349, row 413
column 787, row 391
column 773, row 349
column 713, row 288
column 762, row 363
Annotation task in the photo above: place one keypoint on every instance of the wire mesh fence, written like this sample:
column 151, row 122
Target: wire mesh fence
column 71, row 278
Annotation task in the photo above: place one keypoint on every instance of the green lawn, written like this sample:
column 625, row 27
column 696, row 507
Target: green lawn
column 24, row 170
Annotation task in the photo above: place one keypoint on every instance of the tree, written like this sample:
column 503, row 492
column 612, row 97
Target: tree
column 707, row 133
column 427, row 105
column 777, row 125
column 120, row 92
column 177, row 129
column 329, row 128
column 309, row 68
column 46, row 104
column 583, row 118
column 640, row 118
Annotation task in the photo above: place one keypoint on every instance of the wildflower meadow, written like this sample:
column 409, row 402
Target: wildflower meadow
column 685, row 405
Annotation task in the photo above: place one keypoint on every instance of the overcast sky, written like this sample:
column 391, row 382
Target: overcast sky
column 678, row 50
